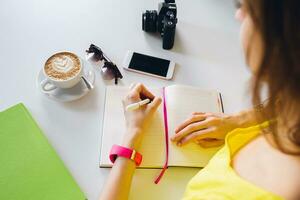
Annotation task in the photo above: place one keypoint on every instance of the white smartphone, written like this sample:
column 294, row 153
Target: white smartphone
column 149, row 65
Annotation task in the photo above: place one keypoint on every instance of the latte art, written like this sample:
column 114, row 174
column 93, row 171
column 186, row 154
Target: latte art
column 62, row 66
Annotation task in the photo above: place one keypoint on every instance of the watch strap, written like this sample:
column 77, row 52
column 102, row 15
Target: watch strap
column 125, row 152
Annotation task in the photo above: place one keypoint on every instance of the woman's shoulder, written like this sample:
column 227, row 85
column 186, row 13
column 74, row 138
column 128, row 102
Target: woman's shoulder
column 270, row 168
column 286, row 176
column 286, row 166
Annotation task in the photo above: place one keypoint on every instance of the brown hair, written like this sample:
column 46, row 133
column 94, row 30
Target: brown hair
column 277, row 22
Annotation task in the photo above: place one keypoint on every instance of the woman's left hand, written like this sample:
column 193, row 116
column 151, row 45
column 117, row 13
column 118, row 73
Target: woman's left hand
column 206, row 129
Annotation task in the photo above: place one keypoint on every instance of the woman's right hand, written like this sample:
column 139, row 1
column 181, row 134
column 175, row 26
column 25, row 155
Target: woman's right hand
column 206, row 129
column 138, row 120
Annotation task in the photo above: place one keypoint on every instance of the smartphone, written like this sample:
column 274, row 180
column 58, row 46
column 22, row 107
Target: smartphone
column 149, row 65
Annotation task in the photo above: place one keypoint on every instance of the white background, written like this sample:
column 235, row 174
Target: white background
column 206, row 51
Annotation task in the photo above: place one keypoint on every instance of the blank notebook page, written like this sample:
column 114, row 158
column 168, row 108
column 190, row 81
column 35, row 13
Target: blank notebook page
column 182, row 101
column 153, row 144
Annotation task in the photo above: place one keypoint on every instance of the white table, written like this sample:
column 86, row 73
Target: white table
column 206, row 49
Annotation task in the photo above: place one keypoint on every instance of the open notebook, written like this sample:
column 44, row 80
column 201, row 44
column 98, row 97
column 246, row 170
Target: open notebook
column 180, row 101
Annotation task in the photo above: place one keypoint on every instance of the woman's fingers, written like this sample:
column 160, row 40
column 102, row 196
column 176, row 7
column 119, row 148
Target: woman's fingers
column 198, row 113
column 205, row 143
column 196, row 135
column 192, row 127
column 154, row 104
column 142, row 91
column 192, row 119
column 138, row 91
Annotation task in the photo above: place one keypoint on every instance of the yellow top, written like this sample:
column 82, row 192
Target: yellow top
column 218, row 180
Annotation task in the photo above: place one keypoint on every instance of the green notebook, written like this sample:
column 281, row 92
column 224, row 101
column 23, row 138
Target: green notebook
column 29, row 166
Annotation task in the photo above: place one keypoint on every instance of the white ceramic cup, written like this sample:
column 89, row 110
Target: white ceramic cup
column 49, row 83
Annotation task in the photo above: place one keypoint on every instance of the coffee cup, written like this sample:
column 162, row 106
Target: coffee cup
column 62, row 70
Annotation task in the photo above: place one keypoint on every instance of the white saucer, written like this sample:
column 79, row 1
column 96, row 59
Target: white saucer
column 69, row 94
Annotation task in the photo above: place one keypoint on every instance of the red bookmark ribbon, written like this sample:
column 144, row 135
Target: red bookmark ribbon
column 165, row 114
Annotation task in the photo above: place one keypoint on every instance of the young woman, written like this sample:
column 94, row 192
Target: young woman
column 260, row 158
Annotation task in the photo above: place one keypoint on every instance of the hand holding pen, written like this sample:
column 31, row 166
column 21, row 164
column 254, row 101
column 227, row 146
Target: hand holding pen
column 139, row 107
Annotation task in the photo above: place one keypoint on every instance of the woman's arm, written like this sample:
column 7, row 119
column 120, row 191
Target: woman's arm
column 210, row 129
column 119, row 180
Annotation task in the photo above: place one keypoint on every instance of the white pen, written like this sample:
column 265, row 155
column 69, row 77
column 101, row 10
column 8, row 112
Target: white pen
column 137, row 105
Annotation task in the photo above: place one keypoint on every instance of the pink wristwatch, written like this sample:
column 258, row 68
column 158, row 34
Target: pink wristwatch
column 131, row 154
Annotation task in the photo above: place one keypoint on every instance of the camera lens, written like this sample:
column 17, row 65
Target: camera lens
column 150, row 21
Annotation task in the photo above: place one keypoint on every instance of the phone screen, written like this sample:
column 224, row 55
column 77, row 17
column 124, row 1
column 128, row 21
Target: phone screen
column 149, row 64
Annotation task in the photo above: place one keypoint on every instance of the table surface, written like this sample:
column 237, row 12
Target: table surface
column 206, row 50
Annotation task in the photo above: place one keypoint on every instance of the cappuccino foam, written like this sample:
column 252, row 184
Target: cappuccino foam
column 62, row 66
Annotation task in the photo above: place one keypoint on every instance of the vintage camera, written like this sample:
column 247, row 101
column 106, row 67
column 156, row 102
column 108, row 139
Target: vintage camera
column 164, row 22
